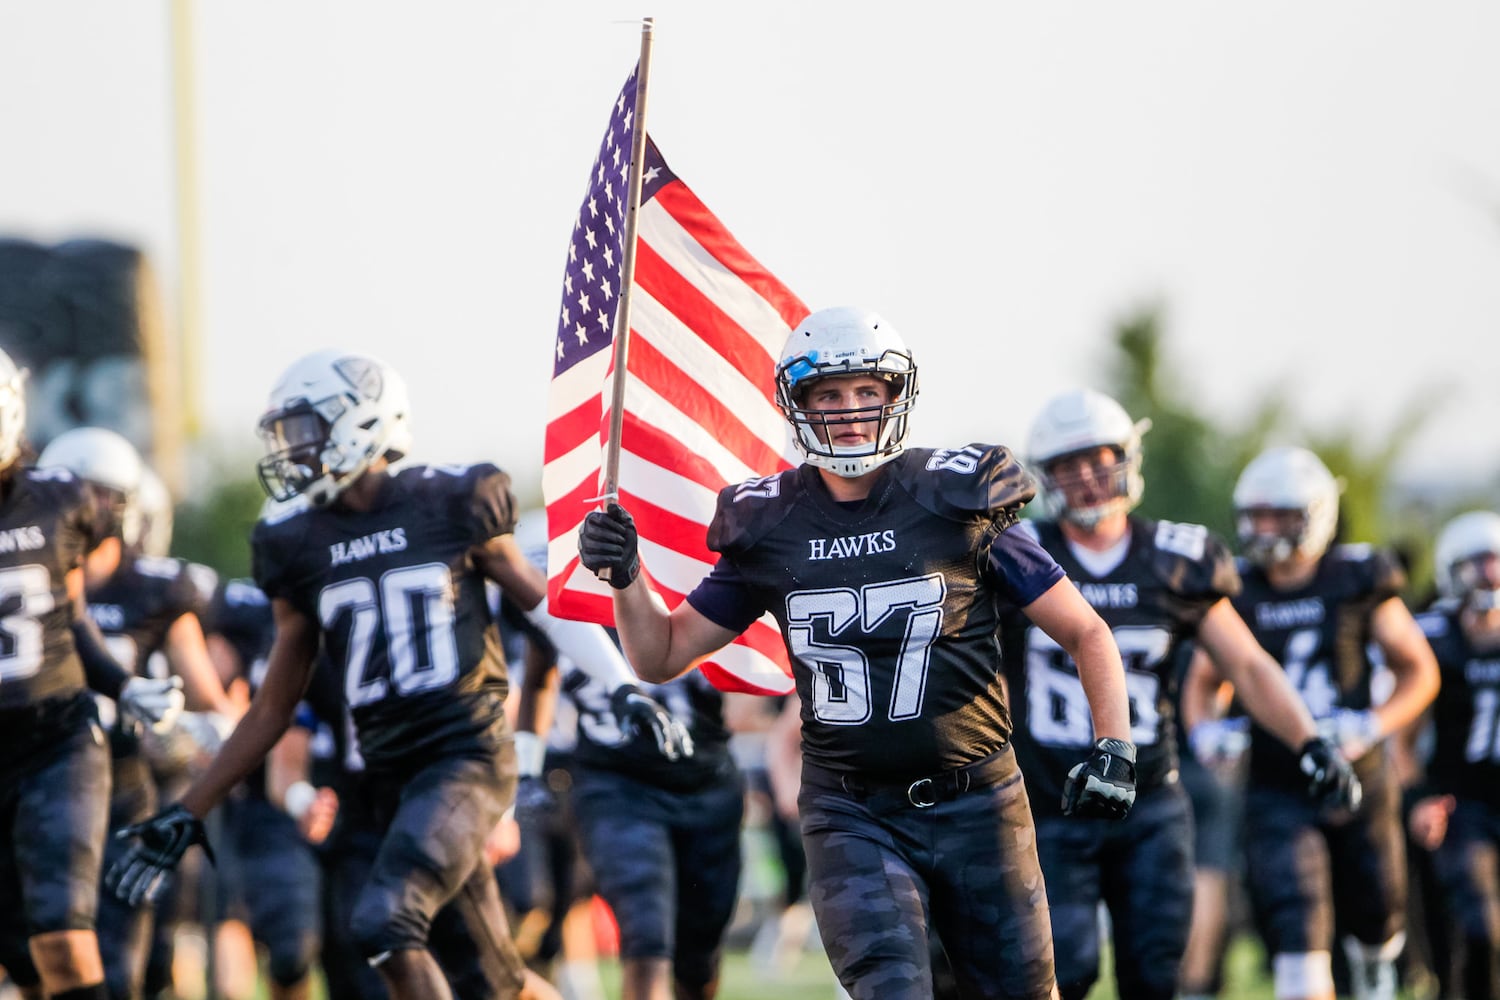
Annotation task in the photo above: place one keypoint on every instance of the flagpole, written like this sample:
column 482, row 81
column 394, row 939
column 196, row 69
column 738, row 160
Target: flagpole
column 611, row 489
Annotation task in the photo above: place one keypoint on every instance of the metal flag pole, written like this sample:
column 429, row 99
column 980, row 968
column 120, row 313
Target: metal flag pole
column 611, row 489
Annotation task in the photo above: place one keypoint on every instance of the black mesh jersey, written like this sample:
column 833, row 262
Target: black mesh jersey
column 134, row 609
column 240, row 614
column 46, row 525
column 1466, row 713
column 402, row 607
column 138, row 604
column 1153, row 602
column 1320, row 634
column 603, row 745
column 888, row 609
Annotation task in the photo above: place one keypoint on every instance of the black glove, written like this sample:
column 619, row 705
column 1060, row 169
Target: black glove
column 141, row 875
column 534, row 799
column 607, row 546
column 639, row 713
column 1104, row 784
column 1330, row 779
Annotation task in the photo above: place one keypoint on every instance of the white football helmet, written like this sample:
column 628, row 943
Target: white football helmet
column 845, row 341
column 329, row 416
column 148, row 521
column 12, row 410
column 1462, row 540
column 1287, row 478
column 107, row 462
column 1082, row 420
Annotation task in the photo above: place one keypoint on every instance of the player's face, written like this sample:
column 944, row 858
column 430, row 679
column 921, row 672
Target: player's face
column 1089, row 478
column 1277, row 522
column 1481, row 572
column 852, row 407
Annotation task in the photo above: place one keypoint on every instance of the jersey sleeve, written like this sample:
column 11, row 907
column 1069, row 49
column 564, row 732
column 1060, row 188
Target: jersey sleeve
column 1194, row 562
column 1019, row 568
column 725, row 598
column 271, row 551
column 1387, row 575
column 489, row 505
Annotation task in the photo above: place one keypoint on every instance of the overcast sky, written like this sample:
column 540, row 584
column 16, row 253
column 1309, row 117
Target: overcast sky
column 1312, row 190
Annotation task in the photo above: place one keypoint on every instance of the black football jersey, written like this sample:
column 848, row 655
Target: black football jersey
column 138, row 604
column 46, row 525
column 887, row 606
column 1154, row 602
column 1320, row 634
column 402, row 607
column 1466, row 713
column 604, row 745
column 240, row 614
column 134, row 609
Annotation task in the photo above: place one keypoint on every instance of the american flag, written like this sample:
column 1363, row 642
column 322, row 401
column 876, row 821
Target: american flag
column 707, row 323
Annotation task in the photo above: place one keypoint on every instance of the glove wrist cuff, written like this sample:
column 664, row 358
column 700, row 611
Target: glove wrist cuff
column 530, row 751
column 1116, row 747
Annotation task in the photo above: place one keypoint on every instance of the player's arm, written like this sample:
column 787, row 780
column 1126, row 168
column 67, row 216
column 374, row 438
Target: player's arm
column 270, row 713
column 784, row 757
column 156, row 702
column 187, row 653
column 1259, row 682
column 1201, row 695
column 1071, row 621
column 1412, row 663
column 660, row 644
column 288, row 770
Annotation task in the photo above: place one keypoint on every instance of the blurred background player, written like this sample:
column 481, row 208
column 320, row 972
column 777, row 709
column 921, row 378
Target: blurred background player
column 384, row 570
column 1320, row 611
column 1457, row 812
column 267, row 855
column 144, row 605
column 54, row 765
column 1158, row 584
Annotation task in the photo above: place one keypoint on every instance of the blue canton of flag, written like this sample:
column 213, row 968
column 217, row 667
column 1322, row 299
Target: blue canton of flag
column 591, row 280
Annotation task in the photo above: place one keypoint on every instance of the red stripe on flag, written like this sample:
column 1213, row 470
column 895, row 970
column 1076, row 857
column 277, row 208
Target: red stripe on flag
column 703, row 316
column 657, row 446
column 706, row 228
column 569, row 430
column 700, row 406
column 683, row 535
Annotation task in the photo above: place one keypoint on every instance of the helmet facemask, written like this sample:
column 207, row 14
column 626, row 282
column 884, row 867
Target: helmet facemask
column 1467, row 560
column 332, row 416
column 1121, row 485
column 1293, row 487
column 846, row 341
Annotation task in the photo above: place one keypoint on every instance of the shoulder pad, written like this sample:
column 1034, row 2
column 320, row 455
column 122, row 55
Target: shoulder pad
column 1435, row 624
column 161, row 567
column 243, row 591
column 1028, row 526
column 476, row 495
column 1192, row 560
column 745, row 512
column 1378, row 570
column 958, row 483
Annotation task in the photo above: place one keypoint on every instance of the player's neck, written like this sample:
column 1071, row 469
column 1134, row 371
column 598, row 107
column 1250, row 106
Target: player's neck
column 1481, row 628
column 1291, row 574
column 1105, row 534
column 846, row 489
column 365, row 492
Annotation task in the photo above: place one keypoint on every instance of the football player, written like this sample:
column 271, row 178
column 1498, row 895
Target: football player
column 1157, row 584
column 54, row 764
column 883, row 566
column 661, row 837
column 1457, row 808
column 1327, row 614
column 386, row 570
column 275, row 870
column 144, row 606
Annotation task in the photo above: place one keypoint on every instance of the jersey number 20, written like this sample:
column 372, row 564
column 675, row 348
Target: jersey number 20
column 405, row 600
